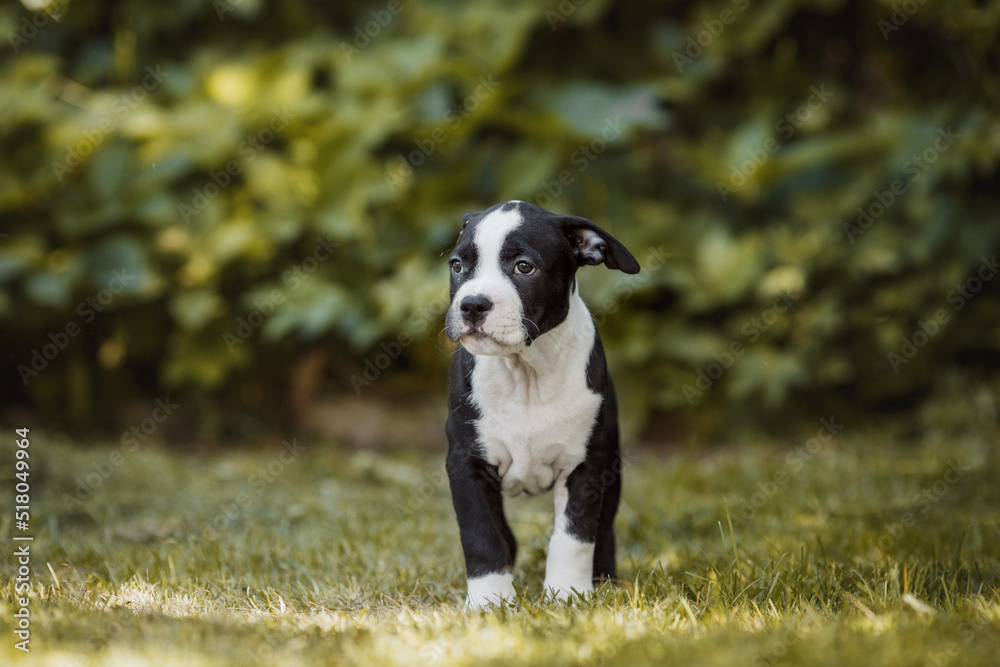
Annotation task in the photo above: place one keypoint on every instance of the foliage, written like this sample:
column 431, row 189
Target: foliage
column 179, row 560
column 209, row 151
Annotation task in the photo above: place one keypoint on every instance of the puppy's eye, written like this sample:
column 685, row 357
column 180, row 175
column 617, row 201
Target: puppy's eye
column 456, row 265
column 524, row 268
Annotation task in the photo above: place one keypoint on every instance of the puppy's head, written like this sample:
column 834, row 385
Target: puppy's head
column 512, row 274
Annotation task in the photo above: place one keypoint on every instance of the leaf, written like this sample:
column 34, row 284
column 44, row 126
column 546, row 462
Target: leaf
column 53, row 288
column 597, row 110
column 315, row 308
column 121, row 261
column 107, row 169
column 523, row 171
column 194, row 309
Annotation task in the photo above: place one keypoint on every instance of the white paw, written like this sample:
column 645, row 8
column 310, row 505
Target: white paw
column 490, row 590
column 569, row 566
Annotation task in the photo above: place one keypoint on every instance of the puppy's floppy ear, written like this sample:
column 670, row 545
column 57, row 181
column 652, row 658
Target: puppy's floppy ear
column 469, row 217
column 592, row 245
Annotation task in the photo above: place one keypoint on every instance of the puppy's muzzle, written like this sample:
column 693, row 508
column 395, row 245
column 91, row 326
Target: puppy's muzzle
column 474, row 308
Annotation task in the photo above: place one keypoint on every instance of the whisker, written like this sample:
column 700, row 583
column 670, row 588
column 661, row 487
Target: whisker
column 527, row 333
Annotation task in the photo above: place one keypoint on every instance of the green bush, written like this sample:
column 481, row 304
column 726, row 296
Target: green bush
column 236, row 185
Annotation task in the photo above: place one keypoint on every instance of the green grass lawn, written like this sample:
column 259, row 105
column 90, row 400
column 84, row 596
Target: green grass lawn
column 856, row 552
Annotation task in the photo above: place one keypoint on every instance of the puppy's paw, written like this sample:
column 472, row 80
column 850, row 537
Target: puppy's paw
column 490, row 590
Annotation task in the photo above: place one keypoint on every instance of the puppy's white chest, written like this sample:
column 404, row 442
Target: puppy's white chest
column 534, row 427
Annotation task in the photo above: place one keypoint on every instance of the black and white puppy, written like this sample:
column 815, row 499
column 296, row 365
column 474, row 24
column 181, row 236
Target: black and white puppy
column 531, row 406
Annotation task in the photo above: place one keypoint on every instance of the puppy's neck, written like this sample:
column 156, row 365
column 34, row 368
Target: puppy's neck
column 550, row 352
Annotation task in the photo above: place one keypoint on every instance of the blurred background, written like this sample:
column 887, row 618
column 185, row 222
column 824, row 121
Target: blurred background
column 225, row 219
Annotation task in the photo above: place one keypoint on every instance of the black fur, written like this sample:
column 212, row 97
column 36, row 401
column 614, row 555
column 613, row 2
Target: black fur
column 556, row 246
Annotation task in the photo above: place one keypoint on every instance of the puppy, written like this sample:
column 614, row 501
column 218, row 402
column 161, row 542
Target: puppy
column 531, row 405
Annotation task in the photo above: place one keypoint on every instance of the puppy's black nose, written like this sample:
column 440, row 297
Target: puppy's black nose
column 474, row 308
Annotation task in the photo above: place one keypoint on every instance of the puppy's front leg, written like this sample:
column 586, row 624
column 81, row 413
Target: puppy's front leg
column 487, row 541
column 569, row 566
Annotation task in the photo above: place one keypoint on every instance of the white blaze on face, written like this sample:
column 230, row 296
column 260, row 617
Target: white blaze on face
column 502, row 326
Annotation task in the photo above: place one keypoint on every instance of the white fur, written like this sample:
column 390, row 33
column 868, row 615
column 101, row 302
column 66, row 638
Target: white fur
column 504, row 332
column 569, row 566
column 537, row 411
column 490, row 589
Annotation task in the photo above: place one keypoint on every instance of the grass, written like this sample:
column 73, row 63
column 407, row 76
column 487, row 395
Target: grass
column 867, row 552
